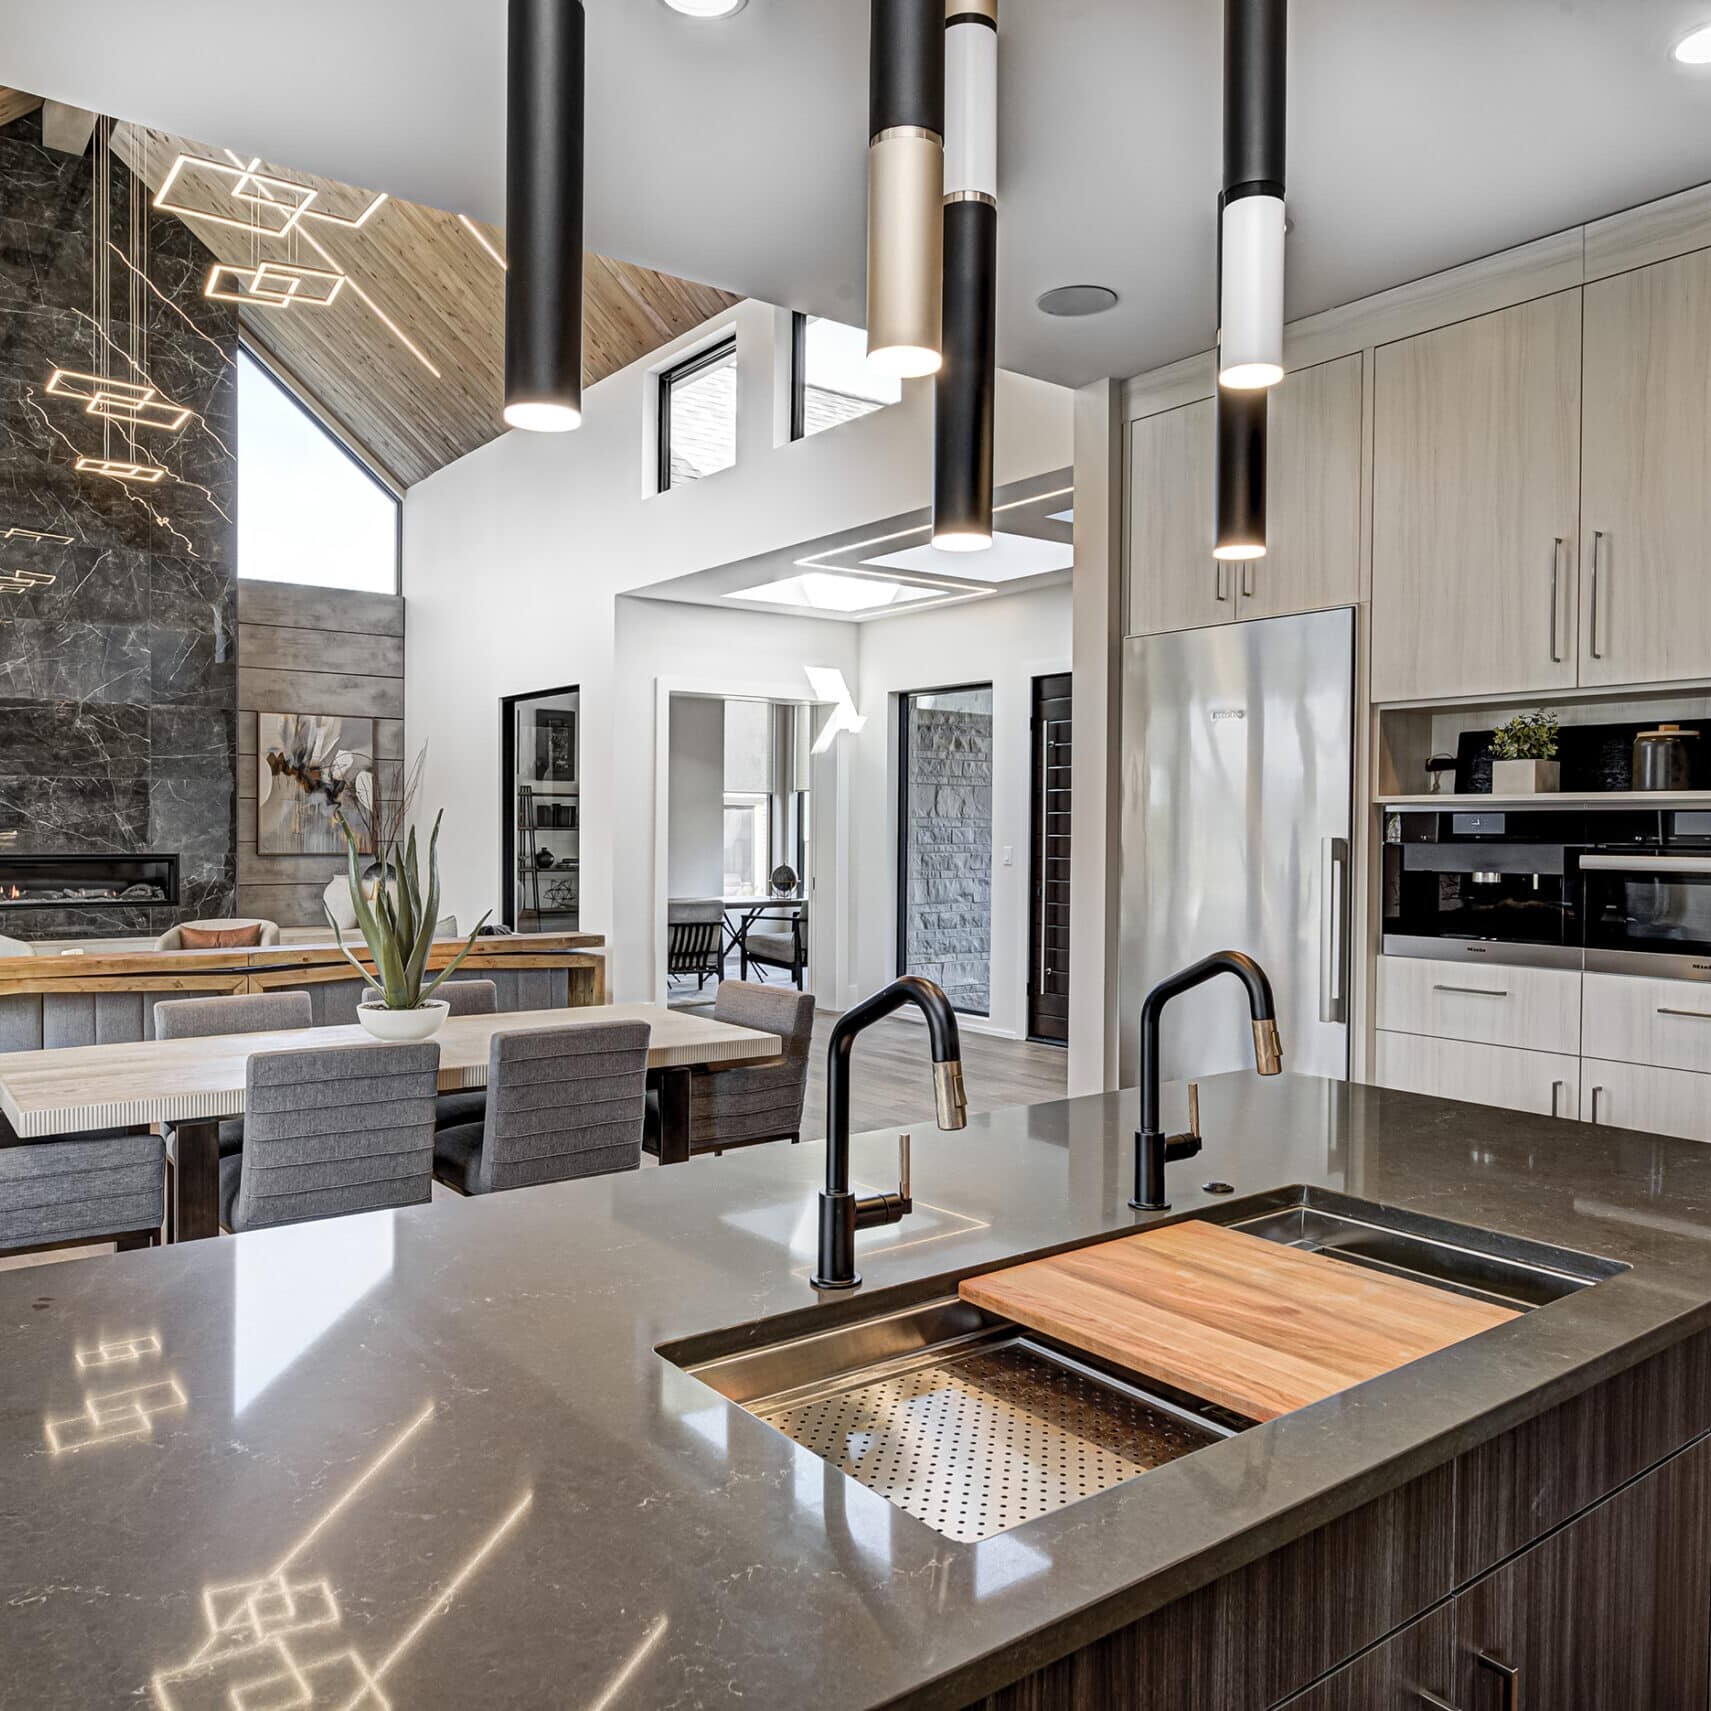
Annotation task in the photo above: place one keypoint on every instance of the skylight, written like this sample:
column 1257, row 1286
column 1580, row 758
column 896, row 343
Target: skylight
column 827, row 592
column 1009, row 558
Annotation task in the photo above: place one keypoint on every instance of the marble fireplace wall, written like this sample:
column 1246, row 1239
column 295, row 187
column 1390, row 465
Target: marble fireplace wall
column 118, row 681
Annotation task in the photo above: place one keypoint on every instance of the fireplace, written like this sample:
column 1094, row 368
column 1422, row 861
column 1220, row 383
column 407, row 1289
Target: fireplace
column 87, row 881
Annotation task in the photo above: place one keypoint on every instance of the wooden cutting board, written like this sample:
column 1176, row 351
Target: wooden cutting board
column 1249, row 1324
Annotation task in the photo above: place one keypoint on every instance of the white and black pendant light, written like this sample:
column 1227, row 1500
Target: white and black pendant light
column 1240, row 473
column 1250, row 308
column 543, row 215
column 905, row 185
column 963, row 390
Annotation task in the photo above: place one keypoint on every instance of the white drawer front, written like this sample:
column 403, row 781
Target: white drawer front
column 1546, row 1082
column 1637, row 1096
column 1489, row 1004
column 1666, row 1023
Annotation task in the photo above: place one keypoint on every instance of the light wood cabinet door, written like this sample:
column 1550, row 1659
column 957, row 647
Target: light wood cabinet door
column 1312, row 504
column 1638, row 1096
column 1645, row 497
column 1665, row 1023
column 1476, row 479
column 1545, row 1082
column 1174, row 581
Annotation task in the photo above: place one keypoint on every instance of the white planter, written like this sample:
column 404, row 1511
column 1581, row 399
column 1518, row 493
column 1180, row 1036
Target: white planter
column 1525, row 777
column 404, row 1025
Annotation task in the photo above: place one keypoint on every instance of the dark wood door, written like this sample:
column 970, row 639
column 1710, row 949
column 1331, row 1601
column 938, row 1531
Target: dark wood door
column 1048, row 925
column 1608, row 1614
column 1395, row 1676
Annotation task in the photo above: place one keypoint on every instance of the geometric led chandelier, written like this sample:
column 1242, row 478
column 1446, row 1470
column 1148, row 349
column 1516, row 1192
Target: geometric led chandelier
column 22, row 581
column 274, row 284
column 118, row 400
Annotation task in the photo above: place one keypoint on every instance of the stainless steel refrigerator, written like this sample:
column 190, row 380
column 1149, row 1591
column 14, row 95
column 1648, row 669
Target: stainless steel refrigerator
column 1237, row 776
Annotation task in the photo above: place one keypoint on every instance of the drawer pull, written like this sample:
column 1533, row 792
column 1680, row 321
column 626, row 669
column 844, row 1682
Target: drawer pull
column 1697, row 1015
column 1474, row 991
column 1595, row 1092
column 1509, row 1675
column 1556, row 1095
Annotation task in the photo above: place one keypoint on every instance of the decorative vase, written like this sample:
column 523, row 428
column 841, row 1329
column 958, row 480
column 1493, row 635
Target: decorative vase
column 401, row 1026
column 1525, row 777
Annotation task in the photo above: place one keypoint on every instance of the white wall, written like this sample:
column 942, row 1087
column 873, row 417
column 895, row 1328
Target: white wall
column 1007, row 641
column 695, row 836
column 515, row 554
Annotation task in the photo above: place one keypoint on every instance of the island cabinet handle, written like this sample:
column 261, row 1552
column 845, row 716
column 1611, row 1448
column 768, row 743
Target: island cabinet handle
column 1595, row 1092
column 1697, row 1015
column 1473, row 991
column 1509, row 1675
column 1556, row 1095
column 1427, row 1697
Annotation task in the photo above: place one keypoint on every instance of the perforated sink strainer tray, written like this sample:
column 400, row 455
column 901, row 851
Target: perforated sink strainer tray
column 985, row 1439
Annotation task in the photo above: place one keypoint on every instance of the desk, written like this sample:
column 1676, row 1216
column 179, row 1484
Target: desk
column 193, row 1083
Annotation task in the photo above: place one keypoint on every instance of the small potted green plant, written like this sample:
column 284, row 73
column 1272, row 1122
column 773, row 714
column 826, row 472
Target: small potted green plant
column 396, row 914
column 1524, row 756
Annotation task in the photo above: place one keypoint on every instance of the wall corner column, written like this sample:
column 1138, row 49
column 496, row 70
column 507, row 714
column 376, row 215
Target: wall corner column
column 1095, row 776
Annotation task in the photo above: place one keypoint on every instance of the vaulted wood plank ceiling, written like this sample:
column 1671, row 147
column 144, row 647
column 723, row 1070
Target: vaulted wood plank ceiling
column 407, row 359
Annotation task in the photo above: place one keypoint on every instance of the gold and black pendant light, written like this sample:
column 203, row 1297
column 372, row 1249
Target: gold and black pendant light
column 543, row 215
column 1251, row 212
column 963, row 391
column 905, row 185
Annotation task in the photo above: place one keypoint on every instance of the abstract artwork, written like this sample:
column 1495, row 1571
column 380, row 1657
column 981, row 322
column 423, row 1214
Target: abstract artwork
column 310, row 766
column 555, row 745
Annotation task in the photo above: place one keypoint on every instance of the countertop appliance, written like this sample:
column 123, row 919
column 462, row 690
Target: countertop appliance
column 1237, row 792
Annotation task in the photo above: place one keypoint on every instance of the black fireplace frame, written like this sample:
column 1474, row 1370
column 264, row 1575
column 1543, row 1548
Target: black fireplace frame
column 80, row 870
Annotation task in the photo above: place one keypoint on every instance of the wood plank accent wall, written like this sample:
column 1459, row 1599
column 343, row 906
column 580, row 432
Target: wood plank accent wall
column 309, row 650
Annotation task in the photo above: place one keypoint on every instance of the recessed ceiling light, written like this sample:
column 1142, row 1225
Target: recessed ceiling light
column 707, row 8
column 1010, row 557
column 829, row 593
column 1695, row 48
column 1077, row 300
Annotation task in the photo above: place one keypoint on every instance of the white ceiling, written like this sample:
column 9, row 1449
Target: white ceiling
column 1420, row 134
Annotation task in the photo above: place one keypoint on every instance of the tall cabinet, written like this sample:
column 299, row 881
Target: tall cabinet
column 1645, row 510
column 1476, row 487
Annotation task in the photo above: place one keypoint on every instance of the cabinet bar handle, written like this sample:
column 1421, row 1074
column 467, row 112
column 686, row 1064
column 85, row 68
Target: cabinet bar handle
column 1697, row 1015
column 1247, row 579
column 1510, row 1675
column 1595, row 1092
column 1427, row 1697
column 1597, row 556
column 1556, row 554
column 1475, row 991
column 1644, row 864
column 1218, row 580
column 1556, row 1094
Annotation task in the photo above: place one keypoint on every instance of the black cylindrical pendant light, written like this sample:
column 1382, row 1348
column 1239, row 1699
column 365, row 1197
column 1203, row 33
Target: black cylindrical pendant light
column 905, row 185
column 543, row 215
column 1250, row 309
column 964, row 389
column 1240, row 473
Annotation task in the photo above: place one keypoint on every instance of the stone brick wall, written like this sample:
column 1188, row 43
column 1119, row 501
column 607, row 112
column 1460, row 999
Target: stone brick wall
column 118, row 678
column 948, row 847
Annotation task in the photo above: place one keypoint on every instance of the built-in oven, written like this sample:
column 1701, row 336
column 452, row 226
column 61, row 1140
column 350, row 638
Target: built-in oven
column 1483, row 886
column 1647, row 909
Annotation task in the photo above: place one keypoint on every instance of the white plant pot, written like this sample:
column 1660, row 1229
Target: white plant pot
column 401, row 1026
column 1525, row 777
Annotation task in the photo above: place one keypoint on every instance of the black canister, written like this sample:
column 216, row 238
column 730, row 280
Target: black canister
column 1662, row 760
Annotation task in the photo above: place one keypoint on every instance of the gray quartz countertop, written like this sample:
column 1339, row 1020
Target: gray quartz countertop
column 432, row 1458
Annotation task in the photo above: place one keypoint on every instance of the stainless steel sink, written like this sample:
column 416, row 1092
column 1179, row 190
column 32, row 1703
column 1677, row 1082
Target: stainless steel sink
column 967, row 1422
column 1489, row 1267
column 974, row 1425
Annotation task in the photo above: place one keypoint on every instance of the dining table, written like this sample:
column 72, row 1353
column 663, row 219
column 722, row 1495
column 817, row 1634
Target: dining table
column 195, row 1083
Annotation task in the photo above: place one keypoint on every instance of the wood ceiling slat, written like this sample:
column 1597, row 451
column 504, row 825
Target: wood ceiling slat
column 433, row 279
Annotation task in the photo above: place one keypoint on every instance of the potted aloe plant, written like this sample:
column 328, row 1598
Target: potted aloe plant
column 1524, row 756
column 396, row 914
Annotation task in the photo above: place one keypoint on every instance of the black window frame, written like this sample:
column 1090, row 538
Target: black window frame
column 248, row 352
column 690, row 366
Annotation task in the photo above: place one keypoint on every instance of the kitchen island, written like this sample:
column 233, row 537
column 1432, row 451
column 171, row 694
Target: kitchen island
column 435, row 1457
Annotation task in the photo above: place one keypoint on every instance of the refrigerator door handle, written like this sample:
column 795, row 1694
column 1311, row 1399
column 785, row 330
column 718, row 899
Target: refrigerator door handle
column 1333, row 929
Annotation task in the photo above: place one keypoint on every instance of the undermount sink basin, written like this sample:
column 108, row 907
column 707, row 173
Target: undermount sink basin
column 961, row 1418
column 975, row 1425
column 1504, row 1270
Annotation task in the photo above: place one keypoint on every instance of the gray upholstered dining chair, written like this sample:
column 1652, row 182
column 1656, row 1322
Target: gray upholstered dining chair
column 750, row 1103
column 562, row 1103
column 330, row 1130
column 107, row 1187
column 465, row 998
column 237, row 1013
column 785, row 946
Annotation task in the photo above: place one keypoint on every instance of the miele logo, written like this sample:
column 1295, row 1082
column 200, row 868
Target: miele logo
column 1228, row 713
column 1476, row 950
